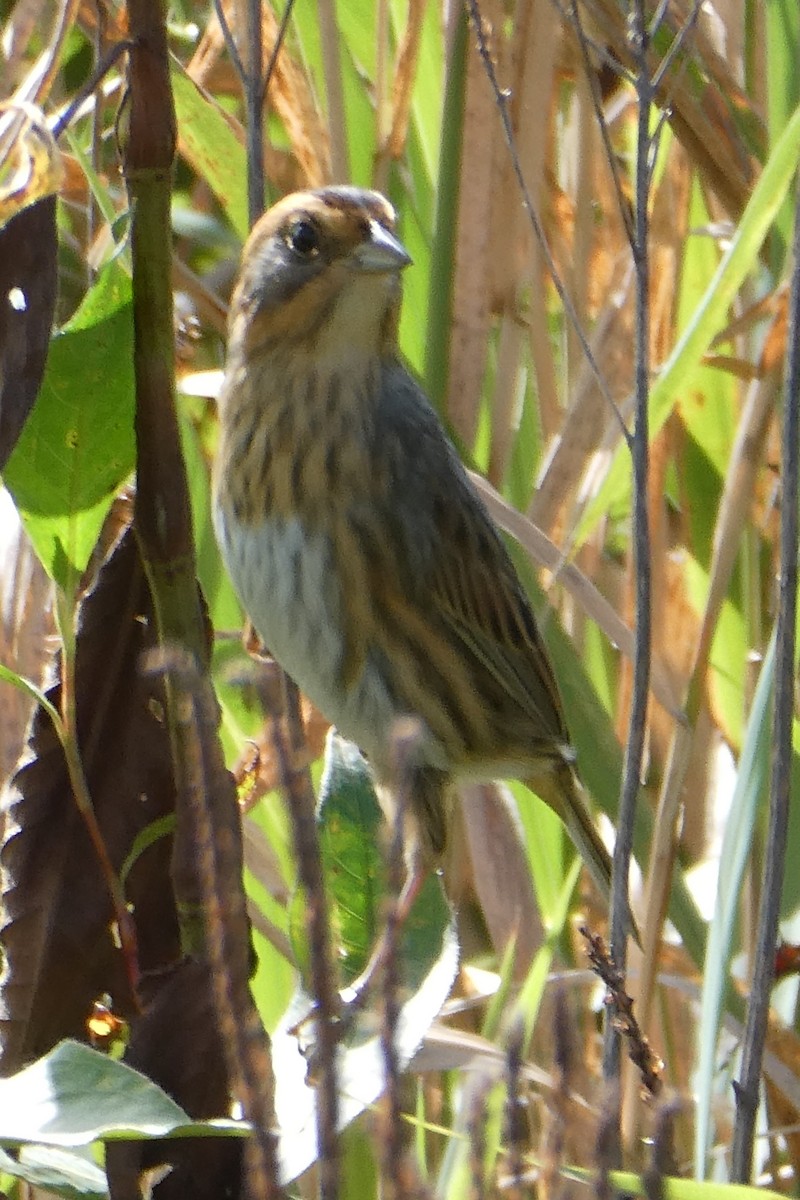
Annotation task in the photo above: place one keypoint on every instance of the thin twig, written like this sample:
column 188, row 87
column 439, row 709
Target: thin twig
column 515, row 1111
column 253, row 84
column 747, row 1088
column 477, row 1118
column 606, row 1145
column 209, row 838
column 296, row 784
column 332, row 69
column 557, row 1107
column 594, row 89
column 381, row 103
column 677, row 44
column 65, row 724
column 662, row 1153
column 584, row 42
column 404, row 747
column 619, row 1007
column 82, row 95
column 602, row 52
column 640, row 451
column 96, row 144
column 276, row 49
column 230, row 43
column 658, row 17
column 39, row 80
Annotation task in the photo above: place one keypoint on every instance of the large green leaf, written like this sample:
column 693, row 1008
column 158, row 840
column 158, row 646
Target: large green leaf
column 782, row 82
column 626, row 1183
column 351, row 832
column 78, row 444
column 66, row 1173
column 209, row 143
column 751, row 781
column 75, row 1095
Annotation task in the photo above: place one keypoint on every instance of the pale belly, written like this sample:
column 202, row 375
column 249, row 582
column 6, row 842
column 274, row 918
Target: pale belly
column 286, row 583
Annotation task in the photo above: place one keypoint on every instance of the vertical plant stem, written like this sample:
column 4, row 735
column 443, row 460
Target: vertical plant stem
column 97, row 126
column 641, row 536
column 501, row 99
column 332, row 65
column 162, row 517
column 207, row 869
column 747, row 1088
column 382, row 106
column 514, row 1133
column 296, row 785
column 164, row 531
column 404, row 745
column 66, row 726
column 440, row 300
column 253, row 85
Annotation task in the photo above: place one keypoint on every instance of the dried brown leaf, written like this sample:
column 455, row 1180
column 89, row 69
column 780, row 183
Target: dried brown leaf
column 404, row 77
column 469, row 326
column 714, row 120
column 28, row 246
column 290, row 93
column 25, row 19
column 292, row 96
column 488, row 838
column 515, row 257
column 26, row 622
column 175, row 1042
column 58, row 947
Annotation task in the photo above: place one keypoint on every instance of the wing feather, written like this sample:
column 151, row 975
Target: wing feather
column 459, row 571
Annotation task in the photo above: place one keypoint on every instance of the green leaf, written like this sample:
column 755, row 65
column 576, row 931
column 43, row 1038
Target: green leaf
column 63, row 1172
column 782, row 40
column 360, row 1151
column 361, row 1065
column 351, row 827
column 34, row 692
column 751, row 783
column 427, row 98
column 350, row 819
column 550, row 852
column 210, row 146
column 78, row 444
column 224, row 608
column 152, row 833
column 676, row 1189
column 75, row 1095
column 708, row 398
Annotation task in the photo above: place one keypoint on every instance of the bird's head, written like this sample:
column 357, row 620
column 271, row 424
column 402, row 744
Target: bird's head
column 320, row 273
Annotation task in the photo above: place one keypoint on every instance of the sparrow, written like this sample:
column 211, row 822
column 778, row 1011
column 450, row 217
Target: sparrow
column 358, row 546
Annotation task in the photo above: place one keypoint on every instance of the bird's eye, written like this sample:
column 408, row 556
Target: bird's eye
column 304, row 239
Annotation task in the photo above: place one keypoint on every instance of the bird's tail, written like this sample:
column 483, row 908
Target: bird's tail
column 561, row 790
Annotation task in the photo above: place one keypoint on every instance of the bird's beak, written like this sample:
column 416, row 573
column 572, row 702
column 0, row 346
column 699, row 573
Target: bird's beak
column 381, row 251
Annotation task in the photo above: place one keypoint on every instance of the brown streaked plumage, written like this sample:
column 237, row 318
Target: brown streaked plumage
column 358, row 546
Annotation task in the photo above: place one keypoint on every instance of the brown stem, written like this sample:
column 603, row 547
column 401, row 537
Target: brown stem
column 162, row 516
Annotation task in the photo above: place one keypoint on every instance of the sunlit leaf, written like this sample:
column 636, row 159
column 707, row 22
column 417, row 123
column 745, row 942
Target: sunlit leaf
column 77, row 446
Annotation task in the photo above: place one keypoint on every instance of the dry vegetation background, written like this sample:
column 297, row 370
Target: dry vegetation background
column 497, row 1061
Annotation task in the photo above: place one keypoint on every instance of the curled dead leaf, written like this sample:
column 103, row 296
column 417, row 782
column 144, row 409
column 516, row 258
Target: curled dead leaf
column 30, row 161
